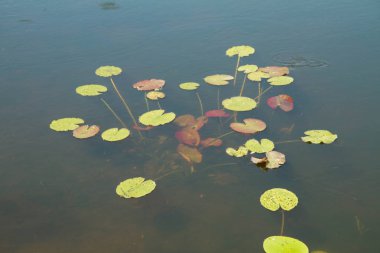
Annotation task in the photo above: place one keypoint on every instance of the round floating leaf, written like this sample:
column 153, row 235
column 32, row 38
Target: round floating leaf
column 115, row 134
column 211, row 142
column 285, row 102
column 248, row 68
column 284, row 244
column 275, row 198
column 86, row 131
column 217, row 114
column 257, row 76
column 188, row 136
column 273, row 71
column 108, row 71
column 185, row 120
column 156, row 118
column 240, row 152
column 66, row 124
column 152, row 84
column 190, row 154
column 91, row 89
column 263, row 146
column 240, row 51
column 155, row 95
column 319, row 136
column 135, row 187
column 189, row 86
column 250, row 126
column 218, row 79
column 239, row 104
column 273, row 160
column 280, row 80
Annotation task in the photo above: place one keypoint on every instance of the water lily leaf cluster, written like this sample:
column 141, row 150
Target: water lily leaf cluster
column 319, row 136
column 135, row 187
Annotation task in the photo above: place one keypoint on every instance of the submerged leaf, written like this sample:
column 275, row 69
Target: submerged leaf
column 284, row 244
column 273, row 160
column 240, row 51
column 285, row 102
column 152, row 84
column 140, row 128
column 211, row 142
column 85, row 131
column 263, row 146
column 135, row 187
column 239, row 104
column 156, row 118
column 217, row 114
column 188, row 136
column 190, row 154
column 319, row 136
column 185, row 120
column 108, row 71
column 250, row 126
column 257, row 76
column 273, row 71
column 280, row 80
column 66, row 124
column 275, row 198
column 248, row 68
column 218, row 79
column 199, row 122
column 91, row 89
column 240, row 152
column 115, row 134
column 189, row 86
column 155, row 95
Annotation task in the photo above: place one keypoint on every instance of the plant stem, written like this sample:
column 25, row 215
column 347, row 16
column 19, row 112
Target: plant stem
column 200, row 102
column 114, row 113
column 282, row 222
column 159, row 106
column 289, row 141
column 165, row 175
column 262, row 93
column 218, row 98
column 146, row 102
column 259, row 87
column 218, row 137
column 219, row 165
column 242, row 86
column 235, row 116
column 236, row 69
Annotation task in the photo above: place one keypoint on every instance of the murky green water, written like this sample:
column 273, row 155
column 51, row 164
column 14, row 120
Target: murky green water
column 58, row 193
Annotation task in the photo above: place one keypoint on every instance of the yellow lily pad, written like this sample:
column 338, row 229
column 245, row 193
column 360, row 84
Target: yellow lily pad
column 218, row 79
column 319, row 136
column 156, row 118
column 284, row 244
column 155, row 95
column 91, row 89
column 277, row 198
column 108, row 71
column 239, row 104
column 240, row 152
column 189, row 86
column 240, row 51
column 115, row 134
column 280, row 80
column 66, row 124
column 248, row 68
column 263, row 146
column 257, row 76
column 135, row 187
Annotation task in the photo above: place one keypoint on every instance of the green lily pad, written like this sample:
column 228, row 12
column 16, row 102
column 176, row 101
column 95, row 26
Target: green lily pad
column 249, row 68
column 240, row 152
column 257, row 76
column 263, row 146
column 115, row 134
column 239, row 104
column 66, row 124
column 108, row 71
column 91, row 89
column 189, row 86
column 135, row 187
column 319, row 136
column 240, row 51
column 284, row 244
column 277, row 198
column 156, row 118
column 280, row 80
column 218, row 79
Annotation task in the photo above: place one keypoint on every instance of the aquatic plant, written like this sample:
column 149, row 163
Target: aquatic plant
column 115, row 134
column 65, row 124
column 85, row 131
column 240, row 51
column 319, row 136
column 193, row 86
column 135, row 187
column 284, row 244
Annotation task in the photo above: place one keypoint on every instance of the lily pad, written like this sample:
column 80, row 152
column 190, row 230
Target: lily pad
column 155, row 95
column 189, row 86
column 86, row 131
column 115, row 134
column 211, row 142
column 200, row 122
column 240, row 152
column 217, row 114
column 190, row 154
column 239, row 104
column 250, row 126
column 249, row 68
column 188, row 136
column 135, row 187
column 218, row 79
column 285, row 102
column 263, row 146
column 273, row 160
column 108, row 71
column 277, row 198
column 275, row 70
column 257, row 76
column 185, row 120
column 284, row 244
column 91, row 89
column 156, row 118
column 240, row 51
column 152, row 84
column 66, row 124
column 280, row 80
column 319, row 136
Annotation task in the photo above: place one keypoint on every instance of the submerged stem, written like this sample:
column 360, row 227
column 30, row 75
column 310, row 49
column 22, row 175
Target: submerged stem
column 114, row 113
column 146, row 102
column 200, row 102
column 262, row 93
column 159, row 106
column 236, row 69
column 282, row 222
column 218, row 98
column 242, row 86
column 288, row 141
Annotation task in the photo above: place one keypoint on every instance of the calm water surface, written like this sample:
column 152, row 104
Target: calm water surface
column 57, row 193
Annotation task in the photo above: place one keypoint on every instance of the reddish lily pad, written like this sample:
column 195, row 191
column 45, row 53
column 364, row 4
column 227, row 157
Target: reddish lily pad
column 141, row 128
column 85, row 131
column 217, row 114
column 200, row 122
column 275, row 70
column 190, row 154
column 185, row 120
column 211, row 142
column 285, row 102
column 188, row 136
column 152, row 84
column 250, row 126
column 273, row 160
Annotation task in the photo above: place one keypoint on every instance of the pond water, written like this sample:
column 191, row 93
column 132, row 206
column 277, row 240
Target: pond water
column 58, row 193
